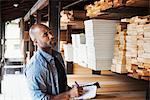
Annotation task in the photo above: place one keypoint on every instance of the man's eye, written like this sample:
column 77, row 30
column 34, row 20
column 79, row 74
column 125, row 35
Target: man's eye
column 45, row 34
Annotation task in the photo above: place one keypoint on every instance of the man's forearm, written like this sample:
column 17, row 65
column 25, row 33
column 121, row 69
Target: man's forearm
column 61, row 96
column 65, row 95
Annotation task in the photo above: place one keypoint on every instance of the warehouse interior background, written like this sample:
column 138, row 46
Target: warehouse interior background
column 104, row 41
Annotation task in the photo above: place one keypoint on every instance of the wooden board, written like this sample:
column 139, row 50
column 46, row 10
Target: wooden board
column 143, row 72
column 144, row 60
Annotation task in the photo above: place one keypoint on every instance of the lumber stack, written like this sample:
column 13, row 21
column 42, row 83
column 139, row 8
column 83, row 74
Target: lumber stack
column 99, row 42
column 79, row 49
column 68, row 52
column 138, row 48
column 131, row 47
column 119, row 60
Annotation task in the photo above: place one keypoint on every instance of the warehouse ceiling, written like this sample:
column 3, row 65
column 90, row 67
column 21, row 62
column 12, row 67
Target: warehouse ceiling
column 12, row 9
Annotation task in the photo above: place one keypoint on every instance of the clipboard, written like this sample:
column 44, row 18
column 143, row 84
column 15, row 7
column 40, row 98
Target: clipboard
column 89, row 92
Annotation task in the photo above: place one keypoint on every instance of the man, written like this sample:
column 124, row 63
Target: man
column 45, row 71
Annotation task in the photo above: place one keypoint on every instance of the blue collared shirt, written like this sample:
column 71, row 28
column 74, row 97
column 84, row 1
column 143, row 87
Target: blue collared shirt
column 42, row 77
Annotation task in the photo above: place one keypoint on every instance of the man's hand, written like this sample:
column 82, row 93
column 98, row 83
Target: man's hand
column 76, row 91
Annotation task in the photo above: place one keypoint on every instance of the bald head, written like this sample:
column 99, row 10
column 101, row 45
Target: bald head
column 37, row 29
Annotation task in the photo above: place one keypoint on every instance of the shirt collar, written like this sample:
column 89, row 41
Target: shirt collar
column 47, row 56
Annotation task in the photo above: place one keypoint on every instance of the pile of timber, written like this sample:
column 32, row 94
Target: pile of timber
column 138, row 48
column 119, row 60
column 79, row 49
column 99, row 35
column 132, row 48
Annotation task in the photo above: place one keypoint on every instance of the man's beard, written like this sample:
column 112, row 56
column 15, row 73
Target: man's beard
column 51, row 44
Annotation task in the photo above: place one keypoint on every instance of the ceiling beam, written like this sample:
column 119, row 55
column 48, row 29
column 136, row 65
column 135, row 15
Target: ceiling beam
column 127, row 9
column 118, row 16
column 72, row 4
column 40, row 4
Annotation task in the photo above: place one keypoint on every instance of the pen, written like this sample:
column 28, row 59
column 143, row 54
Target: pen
column 96, row 84
column 77, row 84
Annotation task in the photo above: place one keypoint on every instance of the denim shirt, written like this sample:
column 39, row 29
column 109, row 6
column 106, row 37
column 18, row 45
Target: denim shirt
column 42, row 76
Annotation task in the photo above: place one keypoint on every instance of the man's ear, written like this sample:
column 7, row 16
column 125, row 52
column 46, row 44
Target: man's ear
column 35, row 42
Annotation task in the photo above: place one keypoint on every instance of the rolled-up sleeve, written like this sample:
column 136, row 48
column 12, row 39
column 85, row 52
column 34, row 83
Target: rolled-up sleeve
column 36, row 78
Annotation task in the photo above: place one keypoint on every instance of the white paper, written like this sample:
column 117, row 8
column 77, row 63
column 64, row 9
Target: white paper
column 90, row 92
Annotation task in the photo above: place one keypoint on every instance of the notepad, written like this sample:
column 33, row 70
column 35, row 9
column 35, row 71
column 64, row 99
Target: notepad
column 89, row 92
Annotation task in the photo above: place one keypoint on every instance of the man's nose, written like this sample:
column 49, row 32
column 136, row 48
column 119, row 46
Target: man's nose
column 51, row 36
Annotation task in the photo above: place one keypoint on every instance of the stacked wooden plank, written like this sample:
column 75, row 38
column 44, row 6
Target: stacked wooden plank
column 99, row 41
column 75, row 44
column 119, row 60
column 79, row 49
column 144, row 51
column 131, row 47
column 68, row 52
column 138, row 48
column 82, row 55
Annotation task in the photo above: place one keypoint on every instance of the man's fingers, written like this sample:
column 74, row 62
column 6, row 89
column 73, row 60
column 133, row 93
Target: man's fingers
column 76, row 91
column 80, row 91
